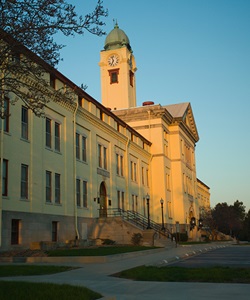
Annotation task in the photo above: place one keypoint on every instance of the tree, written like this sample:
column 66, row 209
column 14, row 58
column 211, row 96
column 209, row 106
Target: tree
column 27, row 27
column 229, row 218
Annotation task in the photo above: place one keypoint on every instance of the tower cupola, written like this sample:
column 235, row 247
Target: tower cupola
column 116, row 39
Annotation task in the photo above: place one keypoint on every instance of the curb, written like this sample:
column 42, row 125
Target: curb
column 186, row 255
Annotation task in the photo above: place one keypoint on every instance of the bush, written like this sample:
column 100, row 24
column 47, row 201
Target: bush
column 180, row 237
column 136, row 239
column 108, row 242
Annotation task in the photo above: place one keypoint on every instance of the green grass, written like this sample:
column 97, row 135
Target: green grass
column 25, row 270
column 179, row 274
column 99, row 251
column 41, row 291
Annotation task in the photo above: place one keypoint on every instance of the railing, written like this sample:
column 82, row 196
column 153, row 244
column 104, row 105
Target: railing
column 137, row 219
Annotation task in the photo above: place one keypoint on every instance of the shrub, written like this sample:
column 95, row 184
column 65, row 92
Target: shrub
column 108, row 242
column 136, row 239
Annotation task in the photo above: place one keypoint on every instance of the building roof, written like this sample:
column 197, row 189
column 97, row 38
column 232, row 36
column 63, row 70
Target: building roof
column 177, row 110
column 183, row 114
column 117, row 38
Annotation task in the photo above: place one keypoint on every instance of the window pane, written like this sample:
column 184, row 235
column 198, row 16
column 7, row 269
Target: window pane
column 77, row 146
column 48, row 132
column 24, row 181
column 114, row 77
column 105, row 164
column 121, row 165
column 5, row 121
column 117, row 164
column 24, row 128
column 78, row 192
column 15, row 232
column 5, row 178
column 57, row 188
column 100, row 156
column 84, row 194
column 54, row 231
column 57, row 136
column 84, row 153
column 48, row 186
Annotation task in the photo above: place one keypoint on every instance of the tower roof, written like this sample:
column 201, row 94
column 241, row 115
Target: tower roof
column 117, row 38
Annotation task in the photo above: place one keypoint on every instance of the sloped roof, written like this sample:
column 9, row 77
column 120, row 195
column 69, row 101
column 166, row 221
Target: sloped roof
column 177, row 110
column 182, row 113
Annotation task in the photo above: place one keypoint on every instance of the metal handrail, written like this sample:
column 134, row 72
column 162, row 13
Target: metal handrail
column 137, row 219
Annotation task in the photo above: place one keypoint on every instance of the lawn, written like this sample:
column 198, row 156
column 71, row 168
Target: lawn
column 98, row 251
column 179, row 274
column 40, row 291
column 28, row 270
column 26, row 290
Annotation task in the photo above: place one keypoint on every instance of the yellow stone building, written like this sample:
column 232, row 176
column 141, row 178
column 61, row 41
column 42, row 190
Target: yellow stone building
column 85, row 167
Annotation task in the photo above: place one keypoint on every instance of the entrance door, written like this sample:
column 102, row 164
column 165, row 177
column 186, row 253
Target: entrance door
column 103, row 200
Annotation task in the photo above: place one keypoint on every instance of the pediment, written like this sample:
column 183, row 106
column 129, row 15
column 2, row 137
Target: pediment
column 183, row 114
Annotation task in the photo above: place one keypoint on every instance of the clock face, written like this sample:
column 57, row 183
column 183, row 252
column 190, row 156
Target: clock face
column 113, row 60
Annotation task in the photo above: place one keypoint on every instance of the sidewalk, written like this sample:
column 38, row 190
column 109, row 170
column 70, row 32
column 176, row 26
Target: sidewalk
column 96, row 277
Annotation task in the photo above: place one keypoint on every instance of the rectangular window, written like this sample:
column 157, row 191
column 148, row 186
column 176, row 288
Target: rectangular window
column 100, row 156
column 84, row 150
column 142, row 175
column 147, row 177
column 113, row 74
column 123, row 201
column 15, row 57
column 121, row 165
column 57, row 136
column 6, row 113
column 80, row 101
column 5, row 178
column 77, row 146
column 57, row 188
column 119, row 199
column 78, row 192
column 84, row 194
column 133, row 202
column 15, row 224
column 48, row 187
column 48, row 133
column 133, row 170
column 144, row 206
column 52, row 81
column 54, row 231
column 117, row 165
column 24, row 181
column 24, row 129
column 105, row 162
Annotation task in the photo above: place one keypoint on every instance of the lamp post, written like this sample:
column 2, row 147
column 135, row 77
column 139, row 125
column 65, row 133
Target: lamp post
column 162, row 216
column 192, row 223
column 148, row 198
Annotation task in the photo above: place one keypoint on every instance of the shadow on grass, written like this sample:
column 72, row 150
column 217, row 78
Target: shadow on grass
column 179, row 274
column 40, row 291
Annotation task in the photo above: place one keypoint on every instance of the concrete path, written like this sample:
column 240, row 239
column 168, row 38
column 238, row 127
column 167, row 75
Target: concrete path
column 96, row 277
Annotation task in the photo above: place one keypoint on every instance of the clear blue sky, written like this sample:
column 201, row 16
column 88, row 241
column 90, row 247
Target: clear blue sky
column 186, row 50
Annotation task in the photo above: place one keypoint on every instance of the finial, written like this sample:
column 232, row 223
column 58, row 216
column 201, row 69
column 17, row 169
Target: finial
column 115, row 23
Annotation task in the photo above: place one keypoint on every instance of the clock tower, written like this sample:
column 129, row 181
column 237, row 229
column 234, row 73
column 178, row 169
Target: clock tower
column 118, row 69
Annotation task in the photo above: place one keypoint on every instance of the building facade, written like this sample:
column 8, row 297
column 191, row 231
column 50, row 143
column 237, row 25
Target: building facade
column 83, row 159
